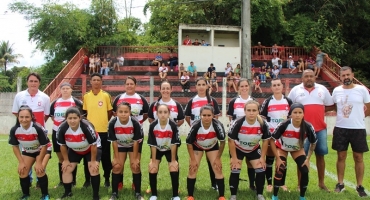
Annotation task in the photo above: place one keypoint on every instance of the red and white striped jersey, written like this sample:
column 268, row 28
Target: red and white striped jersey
column 206, row 138
column 80, row 140
column 39, row 103
column 162, row 139
column 59, row 107
column 177, row 113
column 236, row 107
column 31, row 139
column 125, row 134
column 194, row 105
column 247, row 137
column 287, row 136
column 314, row 103
column 139, row 105
column 275, row 111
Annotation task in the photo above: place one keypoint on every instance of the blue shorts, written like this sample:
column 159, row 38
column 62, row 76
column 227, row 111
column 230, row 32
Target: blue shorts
column 321, row 144
column 319, row 64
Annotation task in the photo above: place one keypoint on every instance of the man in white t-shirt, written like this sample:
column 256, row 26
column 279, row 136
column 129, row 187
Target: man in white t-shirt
column 350, row 100
column 316, row 100
column 275, row 60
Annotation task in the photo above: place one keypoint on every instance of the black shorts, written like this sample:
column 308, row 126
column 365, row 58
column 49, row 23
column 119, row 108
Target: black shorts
column 253, row 155
column 342, row 137
column 214, row 148
column 56, row 146
column 74, row 157
column 130, row 149
column 167, row 154
column 34, row 155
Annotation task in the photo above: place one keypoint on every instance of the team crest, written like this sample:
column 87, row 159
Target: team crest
column 39, row 103
column 319, row 93
column 82, row 138
column 100, row 103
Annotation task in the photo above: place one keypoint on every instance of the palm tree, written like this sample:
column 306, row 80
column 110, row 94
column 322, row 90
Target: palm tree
column 7, row 54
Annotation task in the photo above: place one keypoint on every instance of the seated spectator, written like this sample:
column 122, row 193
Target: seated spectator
column 192, row 70
column 280, row 65
column 214, row 80
column 274, row 50
column 237, row 69
column 291, row 65
column 181, row 70
column 187, row 41
column 109, row 60
column 204, row 43
column 236, row 80
column 210, row 69
column 104, row 69
column 259, row 51
column 275, row 60
column 230, row 82
column 92, row 66
column 163, row 72
column 310, row 63
column 208, row 82
column 119, row 63
column 275, row 72
column 157, row 60
column 116, row 63
column 97, row 62
column 184, row 81
column 300, row 65
column 172, row 61
column 196, row 43
column 263, row 72
column 257, row 83
column 228, row 69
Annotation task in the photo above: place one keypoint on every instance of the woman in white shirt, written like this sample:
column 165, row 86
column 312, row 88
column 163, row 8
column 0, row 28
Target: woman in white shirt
column 163, row 72
column 184, row 81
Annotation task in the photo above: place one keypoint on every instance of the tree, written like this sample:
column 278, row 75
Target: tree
column 7, row 54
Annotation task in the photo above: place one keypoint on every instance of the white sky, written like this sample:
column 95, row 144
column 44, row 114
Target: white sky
column 15, row 28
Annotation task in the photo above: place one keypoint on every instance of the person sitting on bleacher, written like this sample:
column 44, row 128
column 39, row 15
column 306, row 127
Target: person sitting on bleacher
column 192, row 70
column 204, row 43
column 173, row 61
column 118, row 63
column 163, row 72
column 157, row 60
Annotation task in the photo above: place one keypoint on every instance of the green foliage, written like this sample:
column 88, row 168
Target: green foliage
column 5, row 86
column 7, row 54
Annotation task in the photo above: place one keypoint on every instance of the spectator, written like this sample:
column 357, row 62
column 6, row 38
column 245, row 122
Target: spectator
column 204, row 43
column 290, row 63
column 104, row 69
column 236, row 80
column 85, row 60
column 184, row 81
column 214, row 80
column 208, row 82
column 187, row 41
column 280, row 65
column 259, row 51
column 192, row 70
column 211, row 68
column 281, row 52
column 263, row 72
column 118, row 62
column 230, row 82
column 274, row 51
column 157, row 60
column 275, row 60
column 310, row 63
column 300, row 65
column 173, row 61
column 275, row 72
column 92, row 64
column 109, row 60
column 181, row 70
column 237, row 69
column 228, row 69
column 97, row 62
column 196, row 43
column 163, row 72
column 319, row 61
column 257, row 83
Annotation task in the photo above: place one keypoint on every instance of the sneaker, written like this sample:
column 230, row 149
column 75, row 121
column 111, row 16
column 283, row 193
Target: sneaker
column 339, row 188
column 302, row 198
column 86, row 184
column 120, row 186
column 232, row 197
column 175, row 198
column 361, row 191
column 106, row 184
column 59, row 185
column 190, row 198
column 24, row 197
column 214, row 187
column 139, row 197
column 114, row 196
column 274, row 197
column 221, row 198
column 66, row 195
column 44, row 197
column 252, row 187
column 148, row 190
column 153, row 198
column 260, row 197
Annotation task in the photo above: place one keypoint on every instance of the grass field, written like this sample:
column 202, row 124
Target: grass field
column 10, row 188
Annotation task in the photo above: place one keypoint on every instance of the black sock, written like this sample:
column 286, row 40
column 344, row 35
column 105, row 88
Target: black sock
column 153, row 183
column 252, row 177
column 269, row 175
column 25, row 185
column 115, row 181
column 137, row 182
column 74, row 174
column 221, row 186
column 95, row 183
column 67, row 188
column 211, row 173
column 276, row 190
column 121, row 178
column 60, row 172
column 234, row 183
column 86, row 171
column 43, row 182
column 283, row 178
column 175, row 183
column 260, row 182
column 190, row 186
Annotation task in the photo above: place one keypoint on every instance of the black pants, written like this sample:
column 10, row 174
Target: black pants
column 186, row 86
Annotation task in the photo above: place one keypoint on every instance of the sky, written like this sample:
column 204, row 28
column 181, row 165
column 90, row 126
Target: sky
column 15, row 28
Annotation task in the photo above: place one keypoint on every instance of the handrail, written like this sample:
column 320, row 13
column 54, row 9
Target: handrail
column 66, row 74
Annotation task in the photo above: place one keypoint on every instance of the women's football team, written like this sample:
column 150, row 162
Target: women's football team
column 251, row 136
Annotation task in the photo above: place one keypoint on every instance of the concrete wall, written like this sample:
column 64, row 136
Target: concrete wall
column 6, row 102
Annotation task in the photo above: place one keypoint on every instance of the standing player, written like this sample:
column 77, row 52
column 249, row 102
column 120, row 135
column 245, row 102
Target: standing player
column 98, row 106
column 274, row 109
column 33, row 138
column 38, row 101
column 350, row 100
column 139, row 110
column 57, row 111
column 192, row 113
column 163, row 139
column 235, row 111
column 203, row 137
column 126, row 135
column 316, row 100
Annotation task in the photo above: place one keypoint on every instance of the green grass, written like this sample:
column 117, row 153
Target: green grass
column 10, row 188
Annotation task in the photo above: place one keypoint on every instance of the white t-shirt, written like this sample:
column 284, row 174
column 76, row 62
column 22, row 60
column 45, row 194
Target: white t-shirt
column 350, row 106
column 275, row 61
column 275, row 71
column 184, row 78
column 162, row 69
